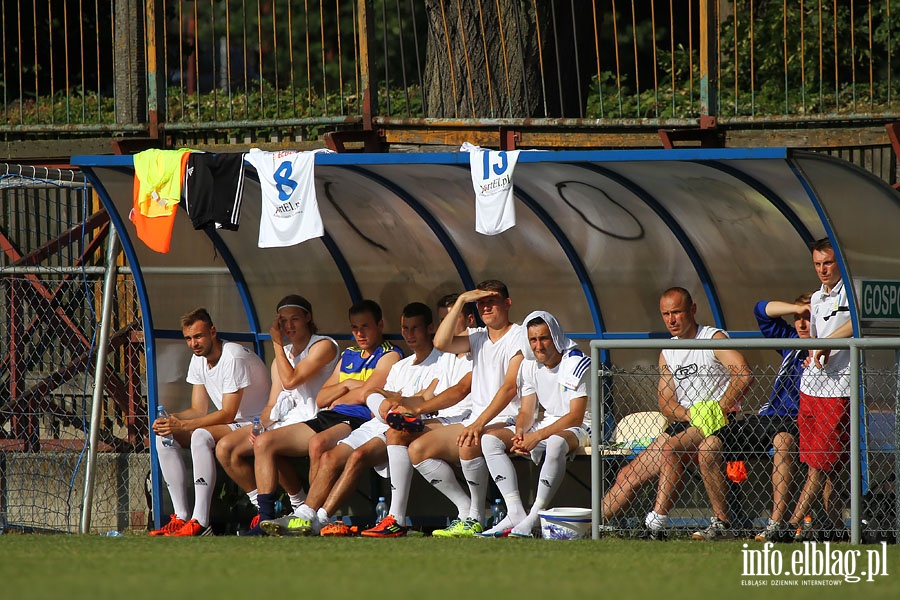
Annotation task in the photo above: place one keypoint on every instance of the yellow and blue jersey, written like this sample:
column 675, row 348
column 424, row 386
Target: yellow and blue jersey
column 354, row 366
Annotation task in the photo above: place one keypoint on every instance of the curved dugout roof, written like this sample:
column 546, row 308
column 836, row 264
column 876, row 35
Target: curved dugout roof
column 598, row 236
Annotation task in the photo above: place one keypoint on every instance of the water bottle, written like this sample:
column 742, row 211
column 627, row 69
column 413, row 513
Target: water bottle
column 257, row 427
column 381, row 509
column 167, row 440
column 497, row 513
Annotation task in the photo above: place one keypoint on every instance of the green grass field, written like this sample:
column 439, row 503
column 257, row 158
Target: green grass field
column 137, row 567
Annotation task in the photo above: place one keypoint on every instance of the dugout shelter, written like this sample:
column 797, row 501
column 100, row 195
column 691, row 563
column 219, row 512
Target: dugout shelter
column 598, row 236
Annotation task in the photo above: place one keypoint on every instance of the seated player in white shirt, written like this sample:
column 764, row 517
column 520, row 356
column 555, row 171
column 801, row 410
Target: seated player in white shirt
column 341, row 468
column 555, row 377
column 410, row 418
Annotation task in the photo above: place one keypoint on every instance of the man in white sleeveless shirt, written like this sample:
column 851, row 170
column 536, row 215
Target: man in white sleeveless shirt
column 697, row 388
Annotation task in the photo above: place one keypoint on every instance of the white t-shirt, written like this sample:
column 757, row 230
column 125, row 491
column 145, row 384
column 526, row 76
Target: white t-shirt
column 828, row 312
column 698, row 374
column 302, row 399
column 492, row 180
column 290, row 211
column 452, row 368
column 490, row 360
column 408, row 378
column 238, row 369
column 556, row 387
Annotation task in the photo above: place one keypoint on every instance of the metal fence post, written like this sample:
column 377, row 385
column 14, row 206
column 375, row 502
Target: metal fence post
column 709, row 66
column 366, row 68
column 109, row 286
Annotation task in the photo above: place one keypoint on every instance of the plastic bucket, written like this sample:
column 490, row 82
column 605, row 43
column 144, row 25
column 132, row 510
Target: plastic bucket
column 565, row 523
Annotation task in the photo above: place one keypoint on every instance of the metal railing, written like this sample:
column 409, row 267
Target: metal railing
column 876, row 388
column 299, row 68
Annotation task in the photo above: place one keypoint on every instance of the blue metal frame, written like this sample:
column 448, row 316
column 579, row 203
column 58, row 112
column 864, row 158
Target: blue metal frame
column 766, row 192
column 679, row 233
column 343, row 267
column 147, row 323
column 581, row 272
column 851, row 301
column 246, row 299
column 455, row 256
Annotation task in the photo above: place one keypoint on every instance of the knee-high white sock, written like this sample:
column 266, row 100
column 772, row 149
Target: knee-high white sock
column 504, row 475
column 252, row 495
column 401, row 470
column 203, row 453
column 173, row 472
column 476, row 474
column 552, row 472
column 439, row 474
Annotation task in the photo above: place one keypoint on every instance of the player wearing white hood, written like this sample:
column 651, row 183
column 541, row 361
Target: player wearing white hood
column 555, row 375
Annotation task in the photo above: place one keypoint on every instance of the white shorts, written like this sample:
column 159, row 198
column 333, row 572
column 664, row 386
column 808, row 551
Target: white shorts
column 582, row 434
column 499, row 420
column 298, row 414
column 371, row 429
column 451, row 420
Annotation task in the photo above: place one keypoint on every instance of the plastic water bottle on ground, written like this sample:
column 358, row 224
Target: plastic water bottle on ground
column 257, row 427
column 167, row 440
column 497, row 512
column 381, row 509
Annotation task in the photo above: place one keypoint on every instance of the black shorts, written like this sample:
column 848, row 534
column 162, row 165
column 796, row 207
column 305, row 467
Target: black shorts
column 677, row 427
column 326, row 419
column 753, row 435
column 213, row 189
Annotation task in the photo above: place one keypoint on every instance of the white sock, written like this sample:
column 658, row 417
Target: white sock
column 526, row 525
column 552, row 472
column 322, row 517
column 401, row 470
column 505, row 523
column 203, row 454
column 504, row 475
column 304, row 511
column 174, row 474
column 252, row 495
column 476, row 474
column 297, row 499
column 656, row 521
column 439, row 474
column 373, row 401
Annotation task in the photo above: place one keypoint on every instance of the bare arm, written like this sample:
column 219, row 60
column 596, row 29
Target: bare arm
column 668, row 399
column 333, row 388
column 318, row 356
column 741, row 377
column 225, row 415
column 777, row 309
column 820, row 357
column 445, row 338
column 574, row 418
column 525, row 418
column 445, row 399
column 357, row 391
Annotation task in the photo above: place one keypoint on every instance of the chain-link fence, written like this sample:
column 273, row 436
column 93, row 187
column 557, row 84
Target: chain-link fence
column 51, row 278
column 751, row 470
